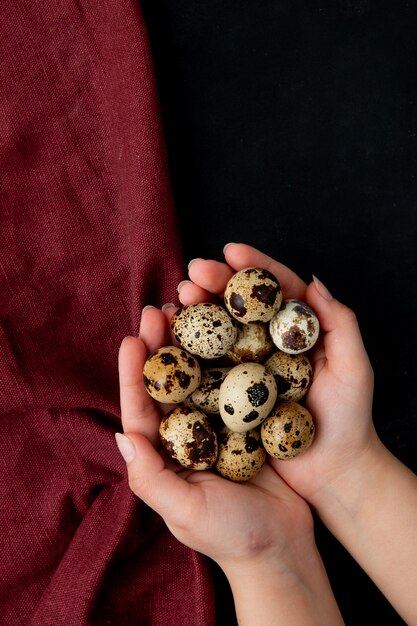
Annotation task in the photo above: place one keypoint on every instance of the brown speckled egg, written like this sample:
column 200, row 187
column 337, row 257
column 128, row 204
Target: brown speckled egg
column 253, row 343
column 247, row 396
column 288, row 431
column 204, row 329
column 188, row 437
column 295, row 328
column 293, row 374
column 170, row 374
column 206, row 396
column 241, row 455
column 253, row 295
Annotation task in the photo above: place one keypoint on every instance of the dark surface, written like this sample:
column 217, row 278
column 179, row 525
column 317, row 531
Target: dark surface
column 292, row 126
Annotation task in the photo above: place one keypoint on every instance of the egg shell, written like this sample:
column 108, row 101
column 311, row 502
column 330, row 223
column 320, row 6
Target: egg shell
column 293, row 374
column 295, row 327
column 288, row 431
column 247, row 396
column 204, row 329
column 188, row 437
column 253, row 295
column 253, row 343
column 206, row 396
column 241, row 455
column 170, row 374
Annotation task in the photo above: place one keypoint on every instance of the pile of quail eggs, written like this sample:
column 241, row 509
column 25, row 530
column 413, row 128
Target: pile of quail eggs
column 237, row 377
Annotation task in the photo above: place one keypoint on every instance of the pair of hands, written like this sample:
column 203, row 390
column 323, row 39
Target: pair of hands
column 241, row 524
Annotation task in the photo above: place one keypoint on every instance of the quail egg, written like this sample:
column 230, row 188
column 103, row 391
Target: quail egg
column 188, row 437
column 206, row 396
column 288, row 431
column 253, row 343
column 293, row 374
column 204, row 329
column 295, row 327
column 241, row 455
column 170, row 374
column 253, row 295
column 246, row 397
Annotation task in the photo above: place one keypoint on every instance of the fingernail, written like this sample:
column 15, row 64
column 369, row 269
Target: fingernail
column 181, row 284
column 126, row 447
column 227, row 245
column 148, row 306
column 168, row 305
column 323, row 291
column 192, row 261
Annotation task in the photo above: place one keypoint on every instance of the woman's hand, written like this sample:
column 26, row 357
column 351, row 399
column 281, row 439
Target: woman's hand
column 364, row 495
column 340, row 398
column 224, row 520
column 260, row 532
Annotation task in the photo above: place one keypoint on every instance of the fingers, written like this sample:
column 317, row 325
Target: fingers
column 342, row 339
column 162, row 489
column 209, row 278
column 138, row 410
column 318, row 357
column 190, row 293
column 154, row 329
column 240, row 255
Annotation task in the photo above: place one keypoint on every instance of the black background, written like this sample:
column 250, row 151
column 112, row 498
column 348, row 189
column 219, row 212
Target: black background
column 292, row 126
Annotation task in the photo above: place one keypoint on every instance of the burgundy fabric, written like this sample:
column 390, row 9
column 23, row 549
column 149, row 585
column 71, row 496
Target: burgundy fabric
column 88, row 236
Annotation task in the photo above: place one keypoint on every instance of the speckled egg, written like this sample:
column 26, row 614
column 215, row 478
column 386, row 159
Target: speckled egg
column 288, row 431
column 241, row 455
column 188, row 437
column 253, row 343
column 253, row 295
column 247, row 396
column 293, row 374
column 206, row 396
column 295, row 327
column 204, row 329
column 170, row 374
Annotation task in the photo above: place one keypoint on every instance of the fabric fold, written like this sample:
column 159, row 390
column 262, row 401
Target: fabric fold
column 89, row 236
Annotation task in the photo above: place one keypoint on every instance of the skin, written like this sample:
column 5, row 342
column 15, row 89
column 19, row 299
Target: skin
column 365, row 496
column 348, row 476
column 263, row 539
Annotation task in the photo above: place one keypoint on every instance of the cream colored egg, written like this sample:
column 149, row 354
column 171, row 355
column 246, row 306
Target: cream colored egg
column 204, row 329
column 241, row 455
column 247, row 396
column 288, row 431
column 295, row 328
column 188, row 437
column 206, row 396
column 253, row 343
column 253, row 295
column 170, row 374
column 293, row 374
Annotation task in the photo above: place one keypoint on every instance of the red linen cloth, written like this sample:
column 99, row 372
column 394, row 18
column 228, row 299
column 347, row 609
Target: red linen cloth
column 88, row 237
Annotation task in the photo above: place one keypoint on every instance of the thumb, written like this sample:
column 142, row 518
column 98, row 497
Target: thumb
column 342, row 339
column 161, row 488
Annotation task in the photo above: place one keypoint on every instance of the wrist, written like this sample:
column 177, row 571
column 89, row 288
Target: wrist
column 370, row 508
column 350, row 484
column 276, row 590
column 282, row 558
column 273, row 577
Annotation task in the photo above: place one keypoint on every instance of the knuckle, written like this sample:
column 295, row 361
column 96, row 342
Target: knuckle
column 349, row 316
column 139, row 486
column 368, row 373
